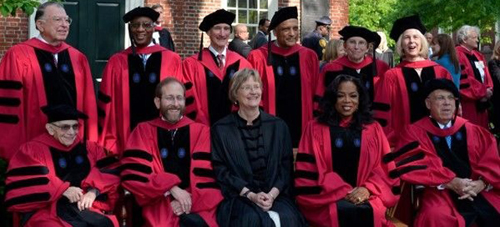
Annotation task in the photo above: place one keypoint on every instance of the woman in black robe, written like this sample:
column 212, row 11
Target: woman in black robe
column 253, row 161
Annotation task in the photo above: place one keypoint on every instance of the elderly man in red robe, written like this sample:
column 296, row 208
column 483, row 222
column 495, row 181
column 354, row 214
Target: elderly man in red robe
column 43, row 71
column 208, row 73
column 476, row 85
column 130, row 78
column 456, row 161
column 167, row 166
column 60, row 179
column 289, row 73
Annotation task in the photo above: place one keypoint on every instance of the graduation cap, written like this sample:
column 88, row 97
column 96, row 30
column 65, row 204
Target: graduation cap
column 324, row 20
column 440, row 84
column 220, row 16
column 139, row 12
column 405, row 23
column 281, row 15
column 62, row 112
column 370, row 37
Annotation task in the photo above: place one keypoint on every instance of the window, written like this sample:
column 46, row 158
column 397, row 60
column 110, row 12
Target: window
column 248, row 12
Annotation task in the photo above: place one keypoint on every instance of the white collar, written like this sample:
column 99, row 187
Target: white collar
column 212, row 49
column 441, row 126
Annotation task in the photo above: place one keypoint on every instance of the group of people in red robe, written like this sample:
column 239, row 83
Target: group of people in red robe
column 209, row 141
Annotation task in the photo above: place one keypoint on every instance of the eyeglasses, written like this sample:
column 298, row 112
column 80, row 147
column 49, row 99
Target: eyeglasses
column 352, row 42
column 173, row 98
column 61, row 20
column 250, row 87
column 66, row 127
column 442, row 98
column 145, row 25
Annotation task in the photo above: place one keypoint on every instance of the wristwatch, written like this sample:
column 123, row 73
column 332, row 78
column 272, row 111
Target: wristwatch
column 246, row 194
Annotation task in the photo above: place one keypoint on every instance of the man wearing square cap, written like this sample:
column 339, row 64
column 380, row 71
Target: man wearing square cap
column 130, row 78
column 456, row 160
column 43, row 71
column 317, row 39
column 398, row 98
column 208, row 72
column 289, row 73
column 60, row 179
column 356, row 63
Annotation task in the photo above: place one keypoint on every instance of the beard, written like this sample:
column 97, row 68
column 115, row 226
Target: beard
column 172, row 117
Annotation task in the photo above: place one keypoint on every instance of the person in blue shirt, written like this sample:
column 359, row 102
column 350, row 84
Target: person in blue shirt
column 444, row 54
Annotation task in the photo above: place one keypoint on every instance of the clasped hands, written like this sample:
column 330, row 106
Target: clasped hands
column 466, row 188
column 84, row 201
column 358, row 195
column 262, row 199
column 182, row 201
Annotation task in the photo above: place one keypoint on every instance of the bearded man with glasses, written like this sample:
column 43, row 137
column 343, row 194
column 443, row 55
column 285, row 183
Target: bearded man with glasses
column 43, row 71
column 130, row 77
column 60, row 179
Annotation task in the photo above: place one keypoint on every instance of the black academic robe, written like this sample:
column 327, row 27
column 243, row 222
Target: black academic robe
column 233, row 172
column 30, row 79
column 289, row 84
column 127, row 92
column 208, row 85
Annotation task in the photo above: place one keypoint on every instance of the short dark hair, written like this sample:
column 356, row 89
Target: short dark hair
column 40, row 11
column 328, row 113
column 263, row 21
column 165, row 82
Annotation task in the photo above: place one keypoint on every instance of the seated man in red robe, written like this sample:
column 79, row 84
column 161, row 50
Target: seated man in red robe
column 456, row 161
column 58, row 179
column 166, row 165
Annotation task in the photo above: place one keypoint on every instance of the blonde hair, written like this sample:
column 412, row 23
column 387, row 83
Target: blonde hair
column 424, row 49
column 496, row 51
column 331, row 50
column 383, row 42
column 239, row 78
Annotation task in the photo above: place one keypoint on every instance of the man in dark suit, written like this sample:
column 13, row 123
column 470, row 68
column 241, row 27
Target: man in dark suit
column 239, row 44
column 260, row 39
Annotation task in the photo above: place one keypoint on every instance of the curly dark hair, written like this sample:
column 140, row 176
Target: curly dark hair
column 329, row 115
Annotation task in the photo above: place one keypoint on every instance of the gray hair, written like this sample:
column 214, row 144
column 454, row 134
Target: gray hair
column 40, row 11
column 463, row 33
column 424, row 50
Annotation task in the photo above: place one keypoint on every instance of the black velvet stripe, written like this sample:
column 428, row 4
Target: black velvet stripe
column 412, row 158
column 202, row 156
column 382, row 122
column 393, row 155
column 101, row 113
column 301, row 157
column 213, row 185
column 381, row 106
column 396, row 190
column 464, row 86
column 9, row 101
column 189, row 100
column 133, row 177
column 30, row 198
column 115, row 172
column 188, row 85
column 103, row 97
column 28, row 171
column 9, row 119
column 308, row 190
column 192, row 115
column 316, row 113
column 398, row 172
column 26, row 183
column 10, row 84
column 202, row 172
column 137, row 167
column 306, row 174
column 138, row 154
column 106, row 161
column 463, row 76
column 317, row 98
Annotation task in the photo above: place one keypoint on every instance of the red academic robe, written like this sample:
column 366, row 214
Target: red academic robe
column 309, row 72
column 472, row 88
column 315, row 158
column 23, row 91
column 345, row 66
column 195, row 75
column 437, row 208
column 149, row 187
column 33, row 186
column 114, row 94
column 392, row 105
